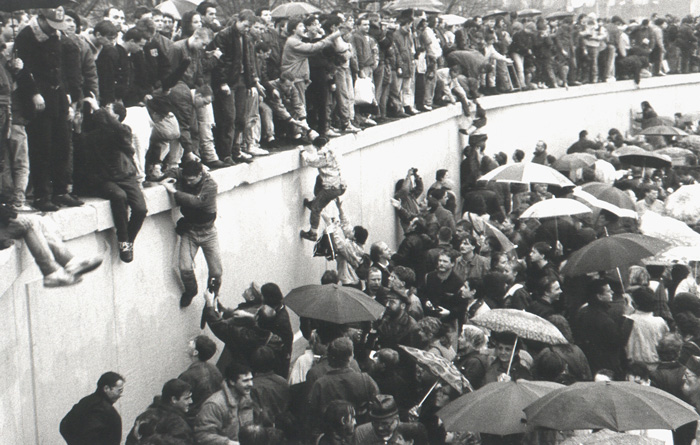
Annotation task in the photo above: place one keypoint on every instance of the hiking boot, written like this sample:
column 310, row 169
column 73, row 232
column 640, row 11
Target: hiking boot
column 216, row 164
column 80, row 266
column 187, row 297
column 311, row 235
column 45, row 205
column 126, row 251
column 60, row 278
column 67, row 200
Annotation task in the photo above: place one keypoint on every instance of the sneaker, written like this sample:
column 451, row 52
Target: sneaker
column 213, row 165
column 257, row 151
column 67, row 200
column 22, row 207
column 81, row 266
column 126, row 251
column 427, row 108
column 307, row 203
column 411, row 111
column 228, row 161
column 370, row 122
column 244, row 155
column 331, row 133
column 610, row 80
column 352, row 129
column 187, row 297
column 60, row 278
column 310, row 235
column 45, row 205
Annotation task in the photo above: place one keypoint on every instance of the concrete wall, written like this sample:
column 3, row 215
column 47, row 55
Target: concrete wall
column 125, row 317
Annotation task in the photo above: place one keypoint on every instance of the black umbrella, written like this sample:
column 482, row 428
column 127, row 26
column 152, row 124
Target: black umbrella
column 19, row 5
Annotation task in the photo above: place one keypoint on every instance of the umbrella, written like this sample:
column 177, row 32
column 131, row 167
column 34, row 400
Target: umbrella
column 177, row 8
column 527, row 173
column 334, row 303
column 496, row 408
column 574, row 161
column 452, row 19
column 663, row 130
column 441, row 368
column 530, row 12
column 612, row 252
column 679, row 254
column 420, row 5
column 679, row 156
column 607, row 437
column 618, row 406
column 554, row 207
column 599, row 203
column 643, row 158
column 294, row 8
column 684, row 204
column 558, row 15
column 19, row 5
column 608, row 193
column 494, row 13
column 522, row 324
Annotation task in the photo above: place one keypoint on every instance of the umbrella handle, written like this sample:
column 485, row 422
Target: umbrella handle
column 427, row 394
column 512, row 355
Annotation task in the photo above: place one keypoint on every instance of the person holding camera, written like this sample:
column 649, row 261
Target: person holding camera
column 195, row 191
column 406, row 194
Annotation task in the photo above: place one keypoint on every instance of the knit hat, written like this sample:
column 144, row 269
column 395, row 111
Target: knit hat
column 382, row 407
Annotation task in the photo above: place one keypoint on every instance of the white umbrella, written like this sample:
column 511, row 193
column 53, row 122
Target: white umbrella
column 527, row 173
column 177, row 8
column 452, row 19
column 599, row 203
column 549, row 208
column 684, row 204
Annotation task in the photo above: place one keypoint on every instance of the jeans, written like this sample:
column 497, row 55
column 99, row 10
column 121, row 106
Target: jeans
column 251, row 136
column 43, row 241
column 317, row 101
column 519, row 64
column 229, row 114
column 344, row 96
column 204, row 237
column 205, row 120
column 15, row 175
column 321, row 200
column 121, row 195
column 267, row 122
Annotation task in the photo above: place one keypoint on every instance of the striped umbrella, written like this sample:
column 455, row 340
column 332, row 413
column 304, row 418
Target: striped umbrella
column 527, row 173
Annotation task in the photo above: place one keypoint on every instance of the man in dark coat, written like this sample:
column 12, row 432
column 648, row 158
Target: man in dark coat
column 113, row 174
column 412, row 250
column 396, row 327
column 341, row 383
column 166, row 416
column 441, row 294
column 600, row 338
column 270, row 391
column 281, row 326
column 121, row 69
column 243, row 333
column 231, row 80
column 93, row 420
column 583, row 144
column 51, row 87
column 469, row 170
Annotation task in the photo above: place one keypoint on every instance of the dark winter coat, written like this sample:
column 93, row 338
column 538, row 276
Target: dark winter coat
column 92, row 421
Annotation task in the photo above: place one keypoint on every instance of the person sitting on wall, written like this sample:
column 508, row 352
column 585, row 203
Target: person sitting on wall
column 58, row 265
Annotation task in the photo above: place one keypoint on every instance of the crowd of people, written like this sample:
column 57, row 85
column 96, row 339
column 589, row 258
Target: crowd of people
column 214, row 96
column 356, row 384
